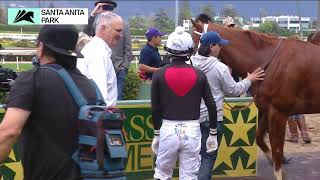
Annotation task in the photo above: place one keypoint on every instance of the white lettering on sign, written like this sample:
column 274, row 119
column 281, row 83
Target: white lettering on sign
column 64, row 15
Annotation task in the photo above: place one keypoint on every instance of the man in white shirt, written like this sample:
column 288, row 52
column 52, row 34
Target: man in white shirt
column 97, row 64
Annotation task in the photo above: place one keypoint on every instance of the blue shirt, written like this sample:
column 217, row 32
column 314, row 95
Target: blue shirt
column 150, row 56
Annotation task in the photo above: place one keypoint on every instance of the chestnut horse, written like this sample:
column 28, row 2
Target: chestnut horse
column 290, row 85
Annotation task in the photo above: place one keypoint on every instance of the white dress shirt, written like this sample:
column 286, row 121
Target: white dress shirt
column 97, row 65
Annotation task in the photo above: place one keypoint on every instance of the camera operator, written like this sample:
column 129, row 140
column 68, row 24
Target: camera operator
column 42, row 114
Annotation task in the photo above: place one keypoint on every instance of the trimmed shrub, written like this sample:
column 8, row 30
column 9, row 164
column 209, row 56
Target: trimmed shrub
column 3, row 97
column 25, row 43
column 132, row 85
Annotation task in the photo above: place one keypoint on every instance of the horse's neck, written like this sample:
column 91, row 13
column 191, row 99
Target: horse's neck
column 240, row 55
column 246, row 51
column 240, row 60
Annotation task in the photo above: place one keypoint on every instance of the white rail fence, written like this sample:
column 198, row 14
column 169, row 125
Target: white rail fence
column 18, row 53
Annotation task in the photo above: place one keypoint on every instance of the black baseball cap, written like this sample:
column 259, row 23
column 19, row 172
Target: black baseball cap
column 106, row 1
column 61, row 39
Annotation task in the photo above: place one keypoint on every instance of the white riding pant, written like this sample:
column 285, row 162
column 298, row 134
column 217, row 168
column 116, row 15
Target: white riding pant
column 179, row 139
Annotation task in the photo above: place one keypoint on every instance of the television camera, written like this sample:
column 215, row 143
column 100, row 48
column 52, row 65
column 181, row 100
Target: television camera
column 7, row 77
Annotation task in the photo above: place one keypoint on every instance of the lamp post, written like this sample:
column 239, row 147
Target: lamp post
column 177, row 13
column 298, row 9
column 318, row 18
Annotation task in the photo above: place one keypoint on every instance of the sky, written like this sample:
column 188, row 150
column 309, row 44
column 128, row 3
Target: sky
column 246, row 8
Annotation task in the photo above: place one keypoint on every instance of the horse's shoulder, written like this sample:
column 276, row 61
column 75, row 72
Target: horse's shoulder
column 260, row 40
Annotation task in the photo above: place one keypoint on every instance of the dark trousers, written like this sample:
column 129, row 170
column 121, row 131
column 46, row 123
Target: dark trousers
column 207, row 159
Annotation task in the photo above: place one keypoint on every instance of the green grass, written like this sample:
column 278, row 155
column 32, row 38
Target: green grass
column 19, row 32
column 22, row 66
column 27, row 66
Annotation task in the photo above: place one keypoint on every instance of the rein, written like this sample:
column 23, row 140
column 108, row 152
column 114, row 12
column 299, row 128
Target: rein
column 233, row 108
column 265, row 65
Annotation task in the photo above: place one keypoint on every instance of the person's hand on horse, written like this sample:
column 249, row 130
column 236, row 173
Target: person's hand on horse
column 155, row 142
column 256, row 75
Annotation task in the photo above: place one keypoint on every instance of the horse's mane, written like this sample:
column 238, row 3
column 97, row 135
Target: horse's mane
column 296, row 37
column 314, row 37
column 260, row 40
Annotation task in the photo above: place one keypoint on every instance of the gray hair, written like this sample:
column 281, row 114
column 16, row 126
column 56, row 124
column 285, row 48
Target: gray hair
column 105, row 18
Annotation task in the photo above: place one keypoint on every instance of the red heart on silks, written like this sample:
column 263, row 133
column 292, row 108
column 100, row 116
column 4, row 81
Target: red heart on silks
column 180, row 80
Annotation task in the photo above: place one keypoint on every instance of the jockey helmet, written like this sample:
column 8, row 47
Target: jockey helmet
column 179, row 43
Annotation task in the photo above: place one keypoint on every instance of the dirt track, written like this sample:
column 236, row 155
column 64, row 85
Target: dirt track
column 313, row 123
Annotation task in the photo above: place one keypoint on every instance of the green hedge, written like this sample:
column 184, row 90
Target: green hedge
column 135, row 32
column 3, row 97
column 132, row 85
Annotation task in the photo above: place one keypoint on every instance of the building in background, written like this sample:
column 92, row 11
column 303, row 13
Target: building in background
column 288, row 22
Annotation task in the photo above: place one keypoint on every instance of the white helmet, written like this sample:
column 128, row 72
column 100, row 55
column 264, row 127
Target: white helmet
column 179, row 43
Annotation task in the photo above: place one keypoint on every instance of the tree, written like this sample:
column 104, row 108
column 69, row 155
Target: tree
column 207, row 9
column 271, row 27
column 137, row 22
column 163, row 21
column 262, row 12
column 184, row 11
column 3, row 15
column 277, row 14
column 229, row 10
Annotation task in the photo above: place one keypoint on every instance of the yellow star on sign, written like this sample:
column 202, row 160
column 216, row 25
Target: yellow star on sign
column 227, row 113
column 253, row 113
column 252, row 151
column 240, row 171
column 12, row 155
column 239, row 130
column 15, row 166
column 224, row 153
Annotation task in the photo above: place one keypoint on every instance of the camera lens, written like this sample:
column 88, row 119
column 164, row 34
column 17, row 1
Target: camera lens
column 107, row 7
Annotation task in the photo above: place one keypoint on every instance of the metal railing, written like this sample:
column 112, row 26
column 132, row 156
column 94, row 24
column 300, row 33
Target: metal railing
column 31, row 51
column 34, row 37
column 18, row 36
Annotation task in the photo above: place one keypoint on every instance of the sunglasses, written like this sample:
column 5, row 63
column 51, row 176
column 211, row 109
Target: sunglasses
column 107, row 7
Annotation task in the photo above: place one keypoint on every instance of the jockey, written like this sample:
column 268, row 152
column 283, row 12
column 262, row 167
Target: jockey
column 176, row 93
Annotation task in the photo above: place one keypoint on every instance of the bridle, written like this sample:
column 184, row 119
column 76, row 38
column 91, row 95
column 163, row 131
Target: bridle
column 205, row 29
